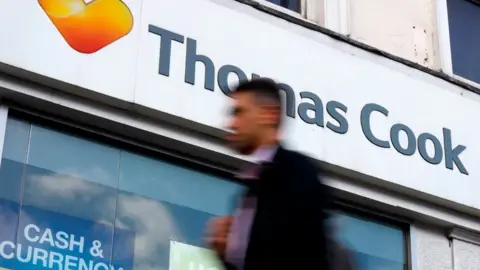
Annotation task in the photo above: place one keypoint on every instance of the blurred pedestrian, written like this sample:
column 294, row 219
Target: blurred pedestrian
column 279, row 222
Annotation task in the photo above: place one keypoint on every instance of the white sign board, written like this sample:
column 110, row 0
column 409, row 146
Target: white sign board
column 179, row 57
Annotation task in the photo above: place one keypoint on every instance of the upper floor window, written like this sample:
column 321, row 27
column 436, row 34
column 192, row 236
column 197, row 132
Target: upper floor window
column 290, row 4
column 313, row 11
column 463, row 40
column 331, row 14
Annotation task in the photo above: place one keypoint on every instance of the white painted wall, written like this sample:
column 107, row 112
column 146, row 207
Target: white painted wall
column 404, row 28
column 466, row 255
column 433, row 249
column 407, row 29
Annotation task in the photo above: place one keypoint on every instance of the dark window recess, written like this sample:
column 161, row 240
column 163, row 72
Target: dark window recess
column 463, row 17
column 290, row 4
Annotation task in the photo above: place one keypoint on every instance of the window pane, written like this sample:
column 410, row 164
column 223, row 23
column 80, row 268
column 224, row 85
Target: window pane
column 68, row 206
column 73, row 156
column 162, row 202
column 9, row 222
column 14, row 156
column 48, row 239
column 70, row 191
column 16, row 140
column 290, row 4
column 463, row 17
column 373, row 245
column 71, row 176
column 175, row 184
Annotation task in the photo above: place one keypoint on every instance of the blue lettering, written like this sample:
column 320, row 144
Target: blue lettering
column 437, row 148
column 452, row 154
column 333, row 109
column 222, row 77
column 366, row 127
column 165, row 47
column 395, row 139
column 311, row 107
column 316, row 107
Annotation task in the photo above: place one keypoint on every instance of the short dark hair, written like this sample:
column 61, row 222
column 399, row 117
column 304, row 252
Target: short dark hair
column 265, row 90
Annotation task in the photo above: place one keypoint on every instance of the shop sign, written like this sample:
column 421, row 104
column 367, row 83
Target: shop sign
column 312, row 109
column 373, row 117
column 46, row 240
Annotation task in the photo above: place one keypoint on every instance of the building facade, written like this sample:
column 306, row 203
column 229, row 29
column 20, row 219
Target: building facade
column 111, row 126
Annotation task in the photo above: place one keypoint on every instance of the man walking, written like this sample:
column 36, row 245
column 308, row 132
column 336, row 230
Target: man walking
column 279, row 221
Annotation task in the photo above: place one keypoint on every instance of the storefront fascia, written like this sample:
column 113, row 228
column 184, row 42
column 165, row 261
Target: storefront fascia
column 361, row 116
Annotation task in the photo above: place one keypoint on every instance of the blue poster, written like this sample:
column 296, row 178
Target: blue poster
column 42, row 239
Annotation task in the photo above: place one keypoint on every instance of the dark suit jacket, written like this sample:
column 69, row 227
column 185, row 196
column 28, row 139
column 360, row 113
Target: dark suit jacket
column 288, row 230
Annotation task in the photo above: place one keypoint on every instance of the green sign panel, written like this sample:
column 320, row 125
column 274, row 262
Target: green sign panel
column 188, row 257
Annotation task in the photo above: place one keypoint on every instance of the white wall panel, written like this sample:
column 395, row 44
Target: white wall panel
column 466, row 255
column 432, row 249
column 404, row 28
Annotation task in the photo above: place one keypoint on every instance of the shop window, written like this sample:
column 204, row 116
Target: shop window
column 111, row 208
column 463, row 16
column 164, row 203
column 372, row 245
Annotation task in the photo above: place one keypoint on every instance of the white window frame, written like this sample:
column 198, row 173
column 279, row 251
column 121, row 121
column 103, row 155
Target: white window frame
column 412, row 247
column 285, row 10
column 443, row 28
column 465, row 236
column 335, row 15
column 444, row 37
column 3, row 128
column 313, row 11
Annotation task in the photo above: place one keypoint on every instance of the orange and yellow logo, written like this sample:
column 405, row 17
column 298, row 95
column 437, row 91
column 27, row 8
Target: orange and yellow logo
column 90, row 27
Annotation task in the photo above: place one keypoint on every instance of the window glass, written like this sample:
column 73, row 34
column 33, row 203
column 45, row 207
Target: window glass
column 176, row 185
column 90, row 205
column 163, row 202
column 63, row 221
column 73, row 156
column 16, row 140
column 70, row 175
column 290, row 4
column 463, row 16
column 86, row 204
column 14, row 155
column 372, row 245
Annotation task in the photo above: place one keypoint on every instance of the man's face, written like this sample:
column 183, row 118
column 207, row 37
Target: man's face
column 248, row 120
column 244, row 123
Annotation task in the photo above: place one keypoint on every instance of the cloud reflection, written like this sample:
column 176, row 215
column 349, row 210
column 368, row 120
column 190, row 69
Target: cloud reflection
column 69, row 195
column 153, row 224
